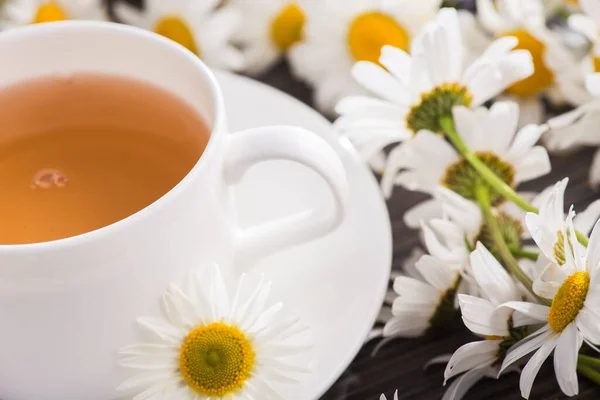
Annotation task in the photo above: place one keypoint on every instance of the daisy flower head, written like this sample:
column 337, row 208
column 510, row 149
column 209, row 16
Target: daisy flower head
column 198, row 26
column 415, row 91
column 525, row 20
column 269, row 30
column 500, row 327
column 492, row 135
column 338, row 33
column 24, row 12
column 216, row 343
column 571, row 318
column 464, row 226
column 548, row 227
column 427, row 296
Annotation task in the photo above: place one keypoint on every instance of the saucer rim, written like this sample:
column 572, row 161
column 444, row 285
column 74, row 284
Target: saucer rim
column 353, row 154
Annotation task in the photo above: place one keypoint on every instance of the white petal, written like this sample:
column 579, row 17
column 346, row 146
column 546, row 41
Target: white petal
column 452, row 251
column 592, row 84
column 405, row 327
column 144, row 380
column 162, row 329
column 591, row 8
column 595, row 171
column 481, row 316
column 585, row 220
column 526, row 346
column 534, row 364
column 464, row 212
column 397, row 61
column 537, row 311
column 380, row 82
column 489, row 17
column 459, row 388
column 435, row 272
column 218, row 295
column 264, row 319
column 565, row 359
column 423, row 211
column 492, row 278
column 525, row 139
column 472, row 355
column 584, row 25
column 469, row 127
column 589, row 325
column 544, row 237
column 483, row 78
column 535, row 164
column 410, row 287
column 593, row 251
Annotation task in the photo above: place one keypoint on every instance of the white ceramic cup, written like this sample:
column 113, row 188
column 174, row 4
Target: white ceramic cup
column 67, row 306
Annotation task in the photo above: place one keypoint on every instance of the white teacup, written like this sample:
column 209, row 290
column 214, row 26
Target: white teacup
column 67, row 306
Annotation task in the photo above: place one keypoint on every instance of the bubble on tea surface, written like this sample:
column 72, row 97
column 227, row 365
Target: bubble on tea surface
column 47, row 178
column 64, row 77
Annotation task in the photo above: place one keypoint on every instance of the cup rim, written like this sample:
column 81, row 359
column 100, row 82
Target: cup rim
column 218, row 120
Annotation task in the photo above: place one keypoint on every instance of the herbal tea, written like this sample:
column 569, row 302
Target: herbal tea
column 81, row 152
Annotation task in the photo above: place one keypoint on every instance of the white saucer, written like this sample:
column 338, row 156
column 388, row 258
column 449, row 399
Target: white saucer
column 335, row 283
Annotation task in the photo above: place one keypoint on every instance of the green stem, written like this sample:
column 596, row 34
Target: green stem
column 447, row 123
column 521, row 253
column 483, row 199
column 582, row 238
column 589, row 361
column 589, row 373
column 488, row 175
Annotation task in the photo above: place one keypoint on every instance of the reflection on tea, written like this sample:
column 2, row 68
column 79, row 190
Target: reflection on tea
column 80, row 152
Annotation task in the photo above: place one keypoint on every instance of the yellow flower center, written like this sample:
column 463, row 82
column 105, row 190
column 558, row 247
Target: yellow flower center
column 568, row 301
column 596, row 61
column 49, row 12
column 287, row 27
column 493, row 337
column 216, row 360
column 370, row 31
column 176, row 29
column 542, row 76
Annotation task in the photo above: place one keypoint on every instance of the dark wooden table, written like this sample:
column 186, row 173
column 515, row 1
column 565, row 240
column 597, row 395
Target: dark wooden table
column 399, row 364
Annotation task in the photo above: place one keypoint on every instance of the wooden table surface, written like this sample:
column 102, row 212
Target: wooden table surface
column 399, row 364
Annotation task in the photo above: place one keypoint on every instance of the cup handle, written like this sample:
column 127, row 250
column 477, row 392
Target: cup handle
column 253, row 146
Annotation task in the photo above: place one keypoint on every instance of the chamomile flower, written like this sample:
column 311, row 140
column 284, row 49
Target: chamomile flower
column 24, row 12
column 416, row 91
column 464, row 222
column 216, row 343
column 269, row 30
column 428, row 160
column 425, row 304
column 339, row 33
column 568, row 322
column 526, row 21
column 500, row 327
column 549, row 230
column 196, row 25
column 427, row 294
